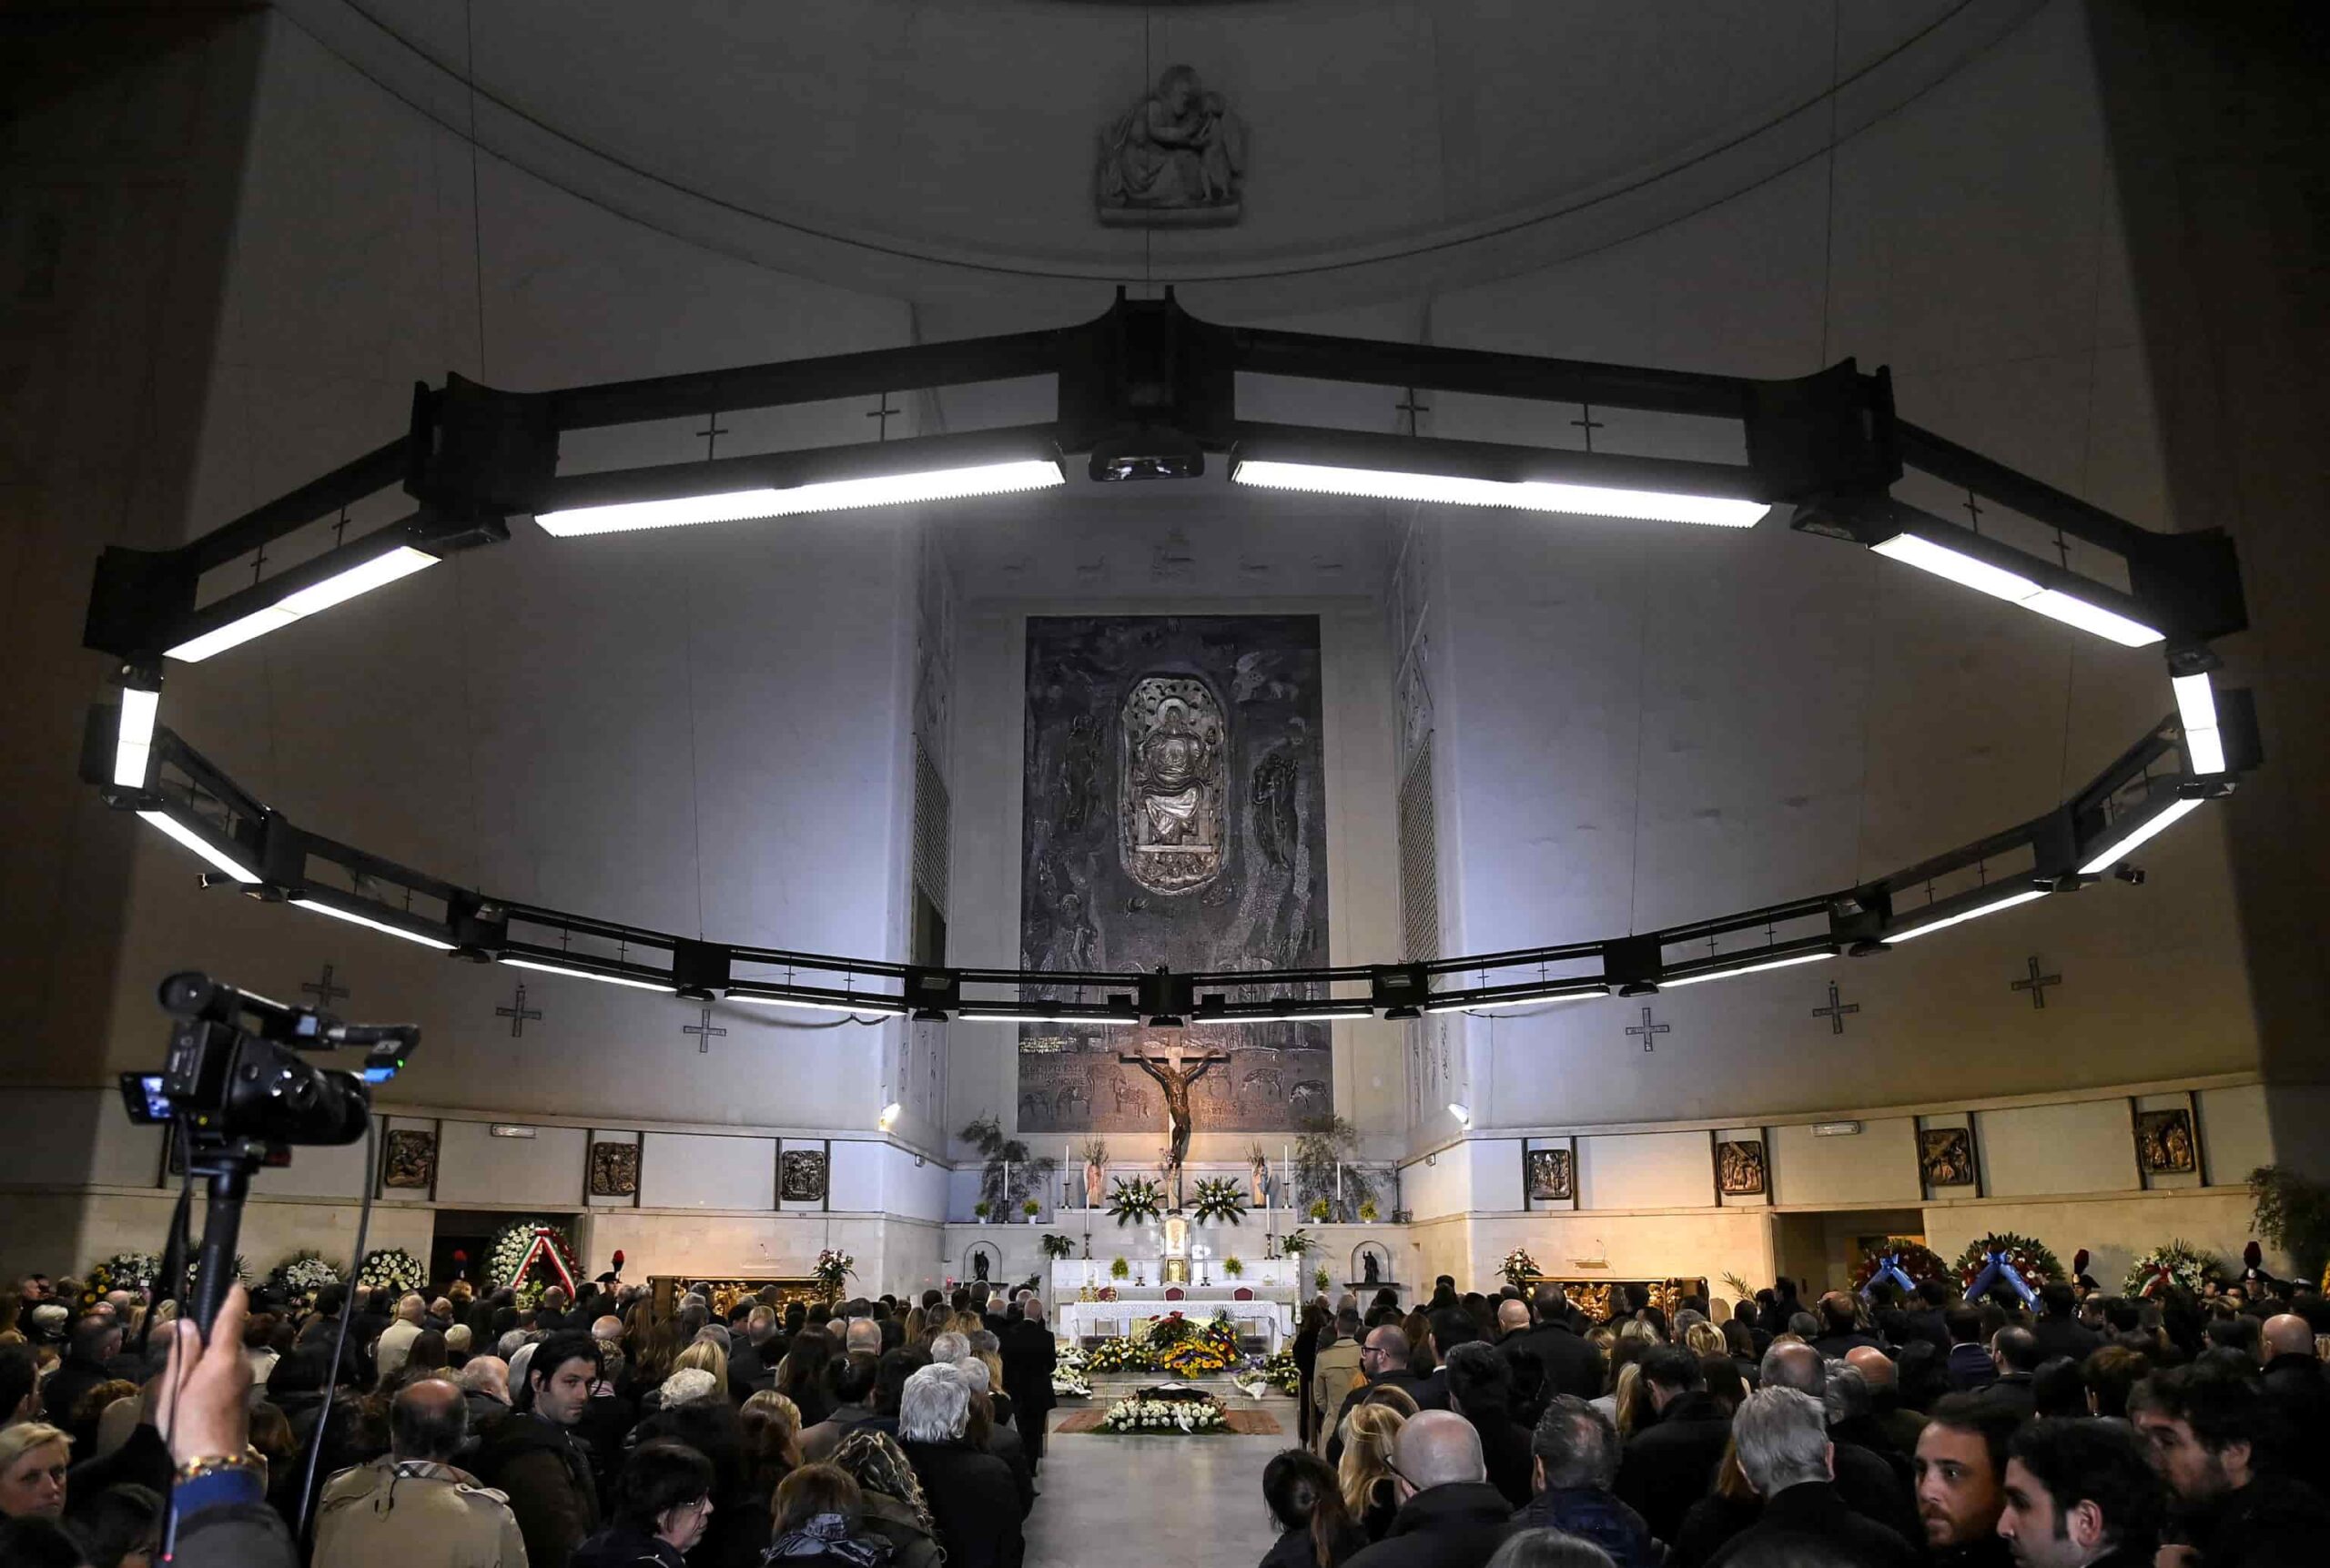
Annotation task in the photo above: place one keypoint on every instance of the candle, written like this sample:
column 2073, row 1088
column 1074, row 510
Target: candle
column 1339, row 1181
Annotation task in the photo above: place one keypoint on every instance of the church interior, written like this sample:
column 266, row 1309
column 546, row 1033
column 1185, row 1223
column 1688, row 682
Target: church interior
column 1150, row 647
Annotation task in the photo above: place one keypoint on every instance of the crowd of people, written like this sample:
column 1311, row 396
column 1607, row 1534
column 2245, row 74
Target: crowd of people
column 473, row 1430
column 2077, row 1429
column 1509, row 1431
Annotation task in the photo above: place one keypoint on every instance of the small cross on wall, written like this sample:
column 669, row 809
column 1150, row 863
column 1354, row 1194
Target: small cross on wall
column 517, row 1011
column 323, row 990
column 2036, row 984
column 1835, row 1011
column 704, row 1030
column 1648, row 1030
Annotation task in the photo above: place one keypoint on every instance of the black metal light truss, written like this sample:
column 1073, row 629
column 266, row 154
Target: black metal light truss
column 1148, row 392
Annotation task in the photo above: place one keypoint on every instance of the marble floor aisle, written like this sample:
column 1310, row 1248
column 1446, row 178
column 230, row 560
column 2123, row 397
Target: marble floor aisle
column 1189, row 1501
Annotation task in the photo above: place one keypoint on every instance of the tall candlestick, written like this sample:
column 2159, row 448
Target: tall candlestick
column 1339, row 1181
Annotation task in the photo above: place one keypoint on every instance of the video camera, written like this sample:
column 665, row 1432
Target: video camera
column 240, row 1091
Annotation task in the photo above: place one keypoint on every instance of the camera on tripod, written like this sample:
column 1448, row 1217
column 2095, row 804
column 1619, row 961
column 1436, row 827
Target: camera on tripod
column 240, row 1090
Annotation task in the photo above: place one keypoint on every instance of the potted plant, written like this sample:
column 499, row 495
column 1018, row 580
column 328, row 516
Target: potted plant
column 1031, row 1209
column 1118, row 1269
column 1318, row 1278
column 982, row 1209
column 1367, row 1211
column 1233, row 1267
column 1320, row 1210
column 1057, row 1246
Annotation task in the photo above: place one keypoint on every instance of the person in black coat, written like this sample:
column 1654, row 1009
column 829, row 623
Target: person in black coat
column 1029, row 1354
column 973, row 1499
column 1450, row 1516
column 1668, row 1465
column 2297, row 1388
column 1782, row 1438
column 1307, row 1507
column 2084, row 1490
column 1480, row 1389
column 1564, row 1363
column 1383, row 1362
column 2059, row 1331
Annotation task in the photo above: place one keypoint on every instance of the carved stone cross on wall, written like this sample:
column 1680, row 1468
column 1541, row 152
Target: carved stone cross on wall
column 517, row 1011
column 703, row 1030
column 1836, row 1010
column 2037, row 984
column 323, row 990
column 1648, row 1030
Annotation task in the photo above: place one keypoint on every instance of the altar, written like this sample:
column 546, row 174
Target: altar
column 1259, row 1303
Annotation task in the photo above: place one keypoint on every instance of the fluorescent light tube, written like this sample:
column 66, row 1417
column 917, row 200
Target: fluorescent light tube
column 2196, row 712
column 859, row 1005
column 1539, row 999
column 586, row 974
column 1756, row 968
column 201, row 846
column 1320, row 1017
column 1528, row 495
column 2151, row 826
column 355, row 919
column 1968, row 572
column 337, row 588
column 979, row 1015
column 133, row 746
column 2005, row 902
column 823, row 495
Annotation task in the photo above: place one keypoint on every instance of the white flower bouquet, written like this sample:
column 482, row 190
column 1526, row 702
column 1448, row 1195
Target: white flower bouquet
column 1175, row 1415
column 391, row 1268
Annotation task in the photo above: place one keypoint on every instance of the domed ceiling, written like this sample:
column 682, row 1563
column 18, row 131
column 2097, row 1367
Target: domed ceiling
column 891, row 143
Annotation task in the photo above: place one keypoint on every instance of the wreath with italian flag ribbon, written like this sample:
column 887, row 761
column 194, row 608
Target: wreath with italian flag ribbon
column 528, row 1255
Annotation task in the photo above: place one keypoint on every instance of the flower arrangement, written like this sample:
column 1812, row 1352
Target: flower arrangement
column 2030, row 1258
column 391, row 1269
column 1058, row 1246
column 1120, row 1269
column 304, row 1273
column 1219, row 1199
column 1918, row 1262
column 2173, row 1262
column 1368, row 1211
column 507, row 1256
column 122, row 1271
column 1319, row 1210
column 1233, row 1266
column 1069, row 1380
column 1166, row 1415
column 1119, row 1353
column 1280, row 1371
column 833, row 1268
column 1518, row 1267
column 1135, row 1199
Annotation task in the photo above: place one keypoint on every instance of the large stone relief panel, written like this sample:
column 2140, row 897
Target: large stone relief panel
column 1175, row 814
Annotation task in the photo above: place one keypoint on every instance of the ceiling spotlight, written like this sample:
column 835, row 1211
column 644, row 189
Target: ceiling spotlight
column 891, row 1114
column 1461, row 1112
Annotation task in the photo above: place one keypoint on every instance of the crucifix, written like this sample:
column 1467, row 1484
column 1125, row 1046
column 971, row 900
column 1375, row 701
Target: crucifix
column 703, row 1030
column 2036, row 984
column 1648, row 1030
column 323, row 990
column 1836, row 1010
column 1175, row 1080
column 517, row 1011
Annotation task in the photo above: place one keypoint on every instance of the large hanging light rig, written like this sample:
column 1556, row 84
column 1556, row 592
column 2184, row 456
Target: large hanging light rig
column 1148, row 392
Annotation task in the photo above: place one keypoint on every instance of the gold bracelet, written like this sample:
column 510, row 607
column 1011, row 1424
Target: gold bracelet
column 213, row 1463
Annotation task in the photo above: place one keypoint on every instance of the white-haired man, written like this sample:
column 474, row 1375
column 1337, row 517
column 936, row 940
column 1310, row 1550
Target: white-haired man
column 395, row 1345
column 1781, row 1436
column 971, row 1494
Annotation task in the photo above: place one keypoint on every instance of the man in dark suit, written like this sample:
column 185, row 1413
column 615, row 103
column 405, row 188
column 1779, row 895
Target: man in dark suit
column 2059, row 1331
column 1550, row 1358
column 973, row 1499
column 752, row 1363
column 1783, row 1447
column 1668, row 1465
column 1383, row 1362
column 1029, row 1354
column 2015, row 1353
column 1840, row 1328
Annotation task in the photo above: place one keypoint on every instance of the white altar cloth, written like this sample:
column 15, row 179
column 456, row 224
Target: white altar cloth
column 1273, row 1277
column 1273, row 1320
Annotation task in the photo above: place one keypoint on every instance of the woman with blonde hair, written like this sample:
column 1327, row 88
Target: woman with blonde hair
column 1706, row 1339
column 917, row 1326
column 33, row 1461
column 1365, row 1476
column 896, row 1508
column 706, row 1356
column 772, row 1425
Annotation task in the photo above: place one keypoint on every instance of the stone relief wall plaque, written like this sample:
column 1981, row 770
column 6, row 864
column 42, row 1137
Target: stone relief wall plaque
column 801, row 1176
column 1739, row 1168
column 411, row 1161
column 1551, row 1176
column 614, row 1170
column 2165, row 1144
column 1946, row 1156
